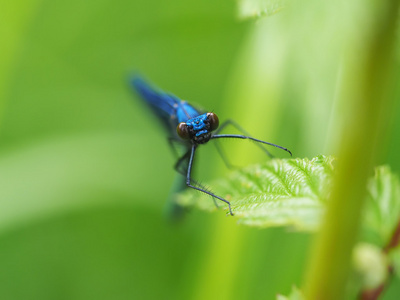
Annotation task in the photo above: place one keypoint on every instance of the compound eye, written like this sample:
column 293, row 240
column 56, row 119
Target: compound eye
column 182, row 130
column 214, row 121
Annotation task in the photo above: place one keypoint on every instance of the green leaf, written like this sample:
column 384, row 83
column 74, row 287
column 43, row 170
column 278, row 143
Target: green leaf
column 280, row 192
column 382, row 211
column 257, row 8
column 296, row 294
column 292, row 192
column 52, row 176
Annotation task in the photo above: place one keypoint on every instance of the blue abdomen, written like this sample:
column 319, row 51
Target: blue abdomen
column 163, row 103
column 168, row 108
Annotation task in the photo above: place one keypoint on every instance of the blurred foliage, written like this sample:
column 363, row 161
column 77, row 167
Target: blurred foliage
column 382, row 211
column 370, row 265
column 85, row 169
column 259, row 8
column 294, row 295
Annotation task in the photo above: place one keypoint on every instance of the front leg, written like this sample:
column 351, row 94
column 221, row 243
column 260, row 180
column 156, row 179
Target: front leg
column 183, row 171
column 244, row 132
column 172, row 142
column 179, row 162
column 189, row 180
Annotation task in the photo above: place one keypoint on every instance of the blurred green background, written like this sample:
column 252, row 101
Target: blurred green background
column 85, row 169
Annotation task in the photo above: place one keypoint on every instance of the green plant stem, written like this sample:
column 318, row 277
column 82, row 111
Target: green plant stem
column 367, row 80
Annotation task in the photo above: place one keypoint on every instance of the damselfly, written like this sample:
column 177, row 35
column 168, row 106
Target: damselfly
column 190, row 127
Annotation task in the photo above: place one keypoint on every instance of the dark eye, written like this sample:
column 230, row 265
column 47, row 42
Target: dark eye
column 214, row 121
column 182, row 130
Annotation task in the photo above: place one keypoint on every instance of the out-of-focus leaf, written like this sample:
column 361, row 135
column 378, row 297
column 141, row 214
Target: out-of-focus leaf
column 370, row 265
column 257, row 8
column 295, row 294
column 56, row 175
column 382, row 211
column 280, row 192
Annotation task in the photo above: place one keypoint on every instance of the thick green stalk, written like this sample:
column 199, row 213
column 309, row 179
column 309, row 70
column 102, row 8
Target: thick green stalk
column 365, row 99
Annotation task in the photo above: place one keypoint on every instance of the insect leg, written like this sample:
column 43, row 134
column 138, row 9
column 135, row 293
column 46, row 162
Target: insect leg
column 183, row 171
column 244, row 132
column 181, row 160
column 223, row 156
column 189, row 180
column 172, row 142
column 238, row 136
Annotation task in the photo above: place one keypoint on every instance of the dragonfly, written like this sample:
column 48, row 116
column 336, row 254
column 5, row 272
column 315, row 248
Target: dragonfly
column 190, row 127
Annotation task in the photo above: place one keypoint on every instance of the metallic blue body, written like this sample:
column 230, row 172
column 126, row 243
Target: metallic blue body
column 169, row 108
column 198, row 124
column 198, row 129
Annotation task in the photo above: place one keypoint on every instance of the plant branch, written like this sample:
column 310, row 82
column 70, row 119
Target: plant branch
column 367, row 79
